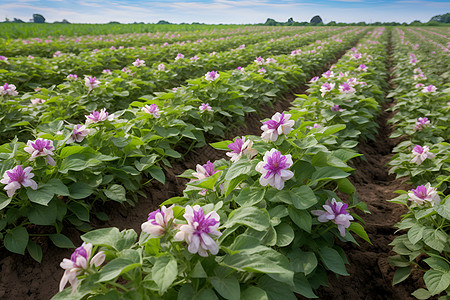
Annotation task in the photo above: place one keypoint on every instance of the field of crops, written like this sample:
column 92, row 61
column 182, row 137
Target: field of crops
column 229, row 163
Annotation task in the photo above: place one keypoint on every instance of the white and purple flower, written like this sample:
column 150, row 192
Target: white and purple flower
column 78, row 134
column 41, row 147
column 91, row 82
column 336, row 108
column 139, row 63
column 336, row 213
column 259, row 60
column 17, row 177
column 152, row 109
column 429, row 89
column 241, row 147
column 8, row 89
column 72, row 77
column 199, row 230
column 205, row 107
column 278, row 125
column 362, row 68
column 274, row 169
column 79, row 261
column 37, row 101
column 179, row 56
column 158, row 221
column 421, row 123
column 326, row 87
column 420, row 154
column 328, row 74
column 261, row 71
column 423, row 194
column 211, row 76
column 161, row 67
column 346, row 88
column 100, row 116
column 314, row 79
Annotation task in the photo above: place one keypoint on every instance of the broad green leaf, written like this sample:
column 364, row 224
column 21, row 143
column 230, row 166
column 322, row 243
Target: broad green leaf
column 35, row 251
column 359, row 230
column 16, row 240
column 303, row 197
column 4, row 201
column 243, row 166
column 80, row 210
column 80, row 190
column 164, row 272
column 254, row 293
column 302, row 286
column 69, row 150
column 116, row 192
column 276, row 290
column 421, row 294
column 61, row 241
column 415, row 233
column 157, row 173
column 436, row 239
column 401, row 274
column 43, row 195
column 43, row 215
column 59, row 188
column 328, row 173
column 111, row 238
column 250, row 196
column 438, row 263
column 285, row 235
column 443, row 209
column 253, row 217
column 208, row 182
column 115, row 268
column 305, row 262
column 301, row 218
column 333, row 260
column 436, row 281
column 227, row 287
column 222, row 145
column 198, row 271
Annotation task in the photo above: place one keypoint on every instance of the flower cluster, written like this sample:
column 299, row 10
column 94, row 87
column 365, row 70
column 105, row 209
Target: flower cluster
column 91, row 82
column 78, row 134
column 421, row 123
column 8, row 89
column 424, row 194
column 205, row 107
column 420, row 154
column 241, row 147
column 152, row 109
column 326, row 87
column 96, row 116
column 41, row 147
column 211, row 76
column 17, row 177
column 139, row 63
column 335, row 212
column 159, row 221
column 274, row 169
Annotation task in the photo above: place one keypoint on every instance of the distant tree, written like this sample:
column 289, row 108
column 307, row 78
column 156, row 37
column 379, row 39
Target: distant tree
column 316, row 20
column 37, row 18
column 18, row 21
column 441, row 18
column 290, row 22
column 361, row 24
column 64, row 21
column 415, row 23
column 7, row 20
column 271, row 22
column 332, row 23
column 162, row 22
column 113, row 22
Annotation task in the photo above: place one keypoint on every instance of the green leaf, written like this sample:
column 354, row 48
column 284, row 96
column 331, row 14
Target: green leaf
column 35, row 251
column 157, row 173
column 243, row 166
column 164, row 272
column 61, row 241
column 415, row 233
column 4, row 201
column 222, row 145
column 227, row 287
column 401, row 274
column 16, row 240
column 333, row 261
column 115, row 268
column 116, row 192
column 250, row 196
column 305, row 262
column 254, row 293
column 303, row 197
column 302, row 286
column 438, row 263
column 111, row 238
column 421, row 294
column 442, row 209
column 276, row 290
column 43, row 215
column 301, row 218
column 436, row 281
column 436, row 239
column 208, row 182
column 198, row 271
column 59, row 188
column 206, row 294
column 285, row 235
column 249, row 216
column 344, row 185
column 80, row 210
column 69, row 150
column 43, row 195
column 359, row 230
column 80, row 190
column 328, row 173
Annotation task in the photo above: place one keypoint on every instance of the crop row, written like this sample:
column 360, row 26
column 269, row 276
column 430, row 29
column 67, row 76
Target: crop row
column 252, row 219
column 79, row 166
column 422, row 121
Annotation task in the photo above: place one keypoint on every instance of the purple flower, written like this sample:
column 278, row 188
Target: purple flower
column 356, row 56
column 259, row 60
column 278, row 125
column 274, row 169
column 107, row 71
column 205, row 107
column 336, row 108
column 3, row 58
column 96, row 116
column 91, row 82
column 421, row 123
column 328, row 74
column 261, row 71
column 78, row 134
column 17, row 177
column 158, row 221
column 420, row 154
column 326, row 87
column 423, row 194
column 161, row 67
column 314, row 79
column 346, row 88
column 241, row 147
column 179, row 56
column 152, row 109
column 139, row 63
column 72, row 77
column 429, row 89
column 271, row 60
column 419, row 85
column 8, row 89
column 41, row 147
column 204, row 171
column 194, row 58
column 417, row 70
column 336, row 213
column 37, row 101
column 211, row 76
column 362, row 68
column 79, row 261
column 199, row 230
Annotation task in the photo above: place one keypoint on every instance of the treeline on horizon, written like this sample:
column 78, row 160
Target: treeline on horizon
column 38, row 28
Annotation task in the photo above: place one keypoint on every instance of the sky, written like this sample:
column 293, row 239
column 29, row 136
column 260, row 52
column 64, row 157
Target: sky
column 223, row 11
